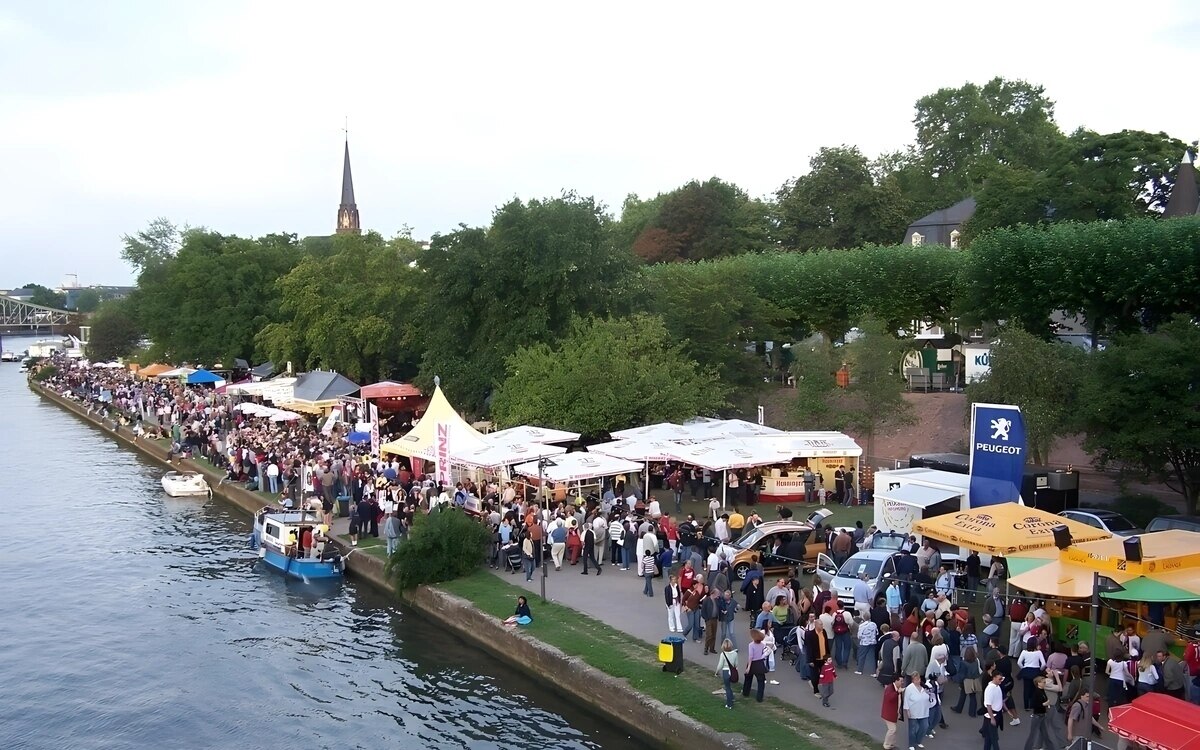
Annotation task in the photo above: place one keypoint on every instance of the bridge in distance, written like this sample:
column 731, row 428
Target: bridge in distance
column 25, row 317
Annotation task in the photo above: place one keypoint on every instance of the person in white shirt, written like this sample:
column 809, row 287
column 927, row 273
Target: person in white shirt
column 1030, row 664
column 916, row 711
column 721, row 529
column 714, row 507
column 654, row 509
column 868, row 634
column 993, row 707
column 1118, row 675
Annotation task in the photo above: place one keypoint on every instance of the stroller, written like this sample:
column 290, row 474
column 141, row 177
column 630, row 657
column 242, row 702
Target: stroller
column 789, row 645
column 512, row 557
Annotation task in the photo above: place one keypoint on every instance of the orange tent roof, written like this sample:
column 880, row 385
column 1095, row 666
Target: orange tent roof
column 150, row 371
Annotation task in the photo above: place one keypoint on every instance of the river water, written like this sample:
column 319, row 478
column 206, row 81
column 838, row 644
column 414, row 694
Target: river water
column 134, row 620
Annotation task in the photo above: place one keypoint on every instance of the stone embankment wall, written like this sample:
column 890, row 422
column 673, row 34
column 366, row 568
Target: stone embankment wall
column 599, row 692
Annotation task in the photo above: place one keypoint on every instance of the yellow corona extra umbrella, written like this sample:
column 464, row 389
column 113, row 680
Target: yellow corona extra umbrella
column 1003, row 529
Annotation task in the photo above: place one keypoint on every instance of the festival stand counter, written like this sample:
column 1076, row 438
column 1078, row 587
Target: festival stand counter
column 822, row 452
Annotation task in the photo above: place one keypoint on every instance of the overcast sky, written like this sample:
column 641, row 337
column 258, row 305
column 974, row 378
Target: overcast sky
column 229, row 115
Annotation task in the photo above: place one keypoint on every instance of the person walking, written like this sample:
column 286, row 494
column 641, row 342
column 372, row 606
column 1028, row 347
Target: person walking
column 726, row 663
column 729, row 610
column 969, row 682
column 893, row 694
column 816, row 650
column 589, row 549
column 916, row 710
column 825, row 682
column 558, row 543
column 993, row 709
column 710, row 612
column 756, row 665
column 527, row 557
column 647, row 569
column 391, row 531
column 1039, row 738
column 673, row 595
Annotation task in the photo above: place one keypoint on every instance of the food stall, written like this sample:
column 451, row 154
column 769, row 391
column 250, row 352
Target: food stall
column 822, row 452
column 904, row 497
column 1160, row 569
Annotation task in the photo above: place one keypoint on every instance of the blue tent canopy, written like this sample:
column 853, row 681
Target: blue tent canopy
column 358, row 438
column 201, row 377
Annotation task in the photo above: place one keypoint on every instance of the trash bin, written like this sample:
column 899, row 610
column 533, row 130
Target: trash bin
column 670, row 653
column 343, row 506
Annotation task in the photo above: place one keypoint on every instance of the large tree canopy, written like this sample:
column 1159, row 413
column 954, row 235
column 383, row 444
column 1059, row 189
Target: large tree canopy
column 354, row 311
column 207, row 303
column 1141, row 406
column 698, row 221
column 839, row 204
column 152, row 246
column 606, row 375
column 487, row 292
column 115, row 332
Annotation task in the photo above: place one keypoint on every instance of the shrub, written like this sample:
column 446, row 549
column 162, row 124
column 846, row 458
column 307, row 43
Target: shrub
column 45, row 373
column 441, row 546
column 1142, row 509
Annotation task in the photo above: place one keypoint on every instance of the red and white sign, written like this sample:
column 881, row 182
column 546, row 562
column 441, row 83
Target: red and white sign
column 442, row 453
column 374, row 430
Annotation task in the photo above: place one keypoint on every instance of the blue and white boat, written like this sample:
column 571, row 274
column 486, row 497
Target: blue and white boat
column 280, row 536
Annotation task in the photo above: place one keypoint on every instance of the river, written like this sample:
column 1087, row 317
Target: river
column 134, row 620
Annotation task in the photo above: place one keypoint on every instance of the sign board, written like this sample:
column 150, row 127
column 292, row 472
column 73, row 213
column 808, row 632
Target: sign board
column 978, row 362
column 442, row 454
column 997, row 454
column 374, row 430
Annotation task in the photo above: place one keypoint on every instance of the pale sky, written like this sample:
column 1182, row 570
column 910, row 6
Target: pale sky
column 229, row 115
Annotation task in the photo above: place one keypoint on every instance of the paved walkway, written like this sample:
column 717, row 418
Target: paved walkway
column 615, row 598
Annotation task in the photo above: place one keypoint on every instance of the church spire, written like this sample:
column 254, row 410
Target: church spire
column 347, row 216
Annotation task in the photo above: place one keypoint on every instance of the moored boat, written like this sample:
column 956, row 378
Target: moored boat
column 185, row 484
column 295, row 543
column 9, row 357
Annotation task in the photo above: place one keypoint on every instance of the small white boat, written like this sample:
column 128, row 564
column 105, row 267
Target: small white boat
column 185, row 484
column 9, row 357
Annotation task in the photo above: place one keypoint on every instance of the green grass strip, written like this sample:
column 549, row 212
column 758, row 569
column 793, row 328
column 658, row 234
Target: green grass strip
column 772, row 724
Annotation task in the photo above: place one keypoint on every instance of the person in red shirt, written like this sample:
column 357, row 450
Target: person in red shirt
column 825, row 682
column 1191, row 656
column 890, row 712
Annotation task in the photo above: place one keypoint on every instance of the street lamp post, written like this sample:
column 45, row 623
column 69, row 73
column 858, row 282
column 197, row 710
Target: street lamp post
column 542, row 464
column 1108, row 586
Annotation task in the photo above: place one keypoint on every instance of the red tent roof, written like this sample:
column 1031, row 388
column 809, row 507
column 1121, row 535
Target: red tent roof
column 389, row 389
column 1158, row 721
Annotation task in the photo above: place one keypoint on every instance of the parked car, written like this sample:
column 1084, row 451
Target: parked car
column 799, row 550
column 1181, row 523
column 1102, row 518
column 879, row 566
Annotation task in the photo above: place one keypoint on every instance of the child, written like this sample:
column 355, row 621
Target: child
column 825, row 684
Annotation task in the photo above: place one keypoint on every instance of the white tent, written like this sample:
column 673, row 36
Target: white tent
column 727, row 453
column 178, row 372
column 497, row 456
column 660, row 431
column 421, row 441
column 726, row 428
column 809, row 444
column 576, row 467
column 529, row 434
column 636, row 449
column 277, row 390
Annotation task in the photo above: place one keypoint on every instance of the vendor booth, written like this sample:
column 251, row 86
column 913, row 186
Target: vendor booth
column 905, row 496
column 421, row 442
column 1159, row 571
column 577, row 470
column 390, row 396
column 319, row 391
column 821, row 452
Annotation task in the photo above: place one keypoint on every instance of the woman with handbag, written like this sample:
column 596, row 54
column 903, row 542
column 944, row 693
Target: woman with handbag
column 727, row 669
column 756, row 665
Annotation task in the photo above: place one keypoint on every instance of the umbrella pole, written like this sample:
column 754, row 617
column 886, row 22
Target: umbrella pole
column 724, row 486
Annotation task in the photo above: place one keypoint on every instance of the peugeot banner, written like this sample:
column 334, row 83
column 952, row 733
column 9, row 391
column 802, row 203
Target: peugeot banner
column 997, row 454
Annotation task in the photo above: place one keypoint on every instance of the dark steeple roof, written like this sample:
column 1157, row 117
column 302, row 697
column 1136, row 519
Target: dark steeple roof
column 347, row 179
column 347, row 215
column 1185, row 199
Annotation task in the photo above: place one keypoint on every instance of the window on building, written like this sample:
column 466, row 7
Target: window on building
column 918, row 239
column 954, row 238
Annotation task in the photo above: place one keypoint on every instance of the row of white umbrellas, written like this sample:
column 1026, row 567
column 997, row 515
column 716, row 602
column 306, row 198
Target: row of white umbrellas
column 267, row 412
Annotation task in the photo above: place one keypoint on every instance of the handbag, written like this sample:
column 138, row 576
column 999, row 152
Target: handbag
column 733, row 673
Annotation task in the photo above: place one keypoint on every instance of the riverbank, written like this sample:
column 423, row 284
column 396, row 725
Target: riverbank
column 605, row 694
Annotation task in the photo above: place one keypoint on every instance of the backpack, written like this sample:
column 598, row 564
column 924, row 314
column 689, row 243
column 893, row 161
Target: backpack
column 839, row 624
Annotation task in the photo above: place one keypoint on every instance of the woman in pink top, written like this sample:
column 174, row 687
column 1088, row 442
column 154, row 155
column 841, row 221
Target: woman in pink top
column 756, row 665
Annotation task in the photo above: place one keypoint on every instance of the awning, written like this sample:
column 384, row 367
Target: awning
column 721, row 455
column 529, row 434
column 390, row 389
column 576, row 467
column 810, row 444
column 917, row 495
column 200, row 377
column 150, row 371
column 496, row 456
column 1157, row 721
column 660, row 431
column 634, row 449
column 1003, row 529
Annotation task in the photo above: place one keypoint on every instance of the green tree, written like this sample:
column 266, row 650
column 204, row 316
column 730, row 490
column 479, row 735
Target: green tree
column 964, row 133
column 208, row 302
column 441, row 546
column 815, row 370
column 487, row 292
column 152, row 246
column 606, row 375
column 115, row 333
column 874, row 400
column 87, row 301
column 46, row 297
column 1141, row 406
column 354, row 311
column 839, row 204
column 698, row 221
column 1044, row 378
column 717, row 317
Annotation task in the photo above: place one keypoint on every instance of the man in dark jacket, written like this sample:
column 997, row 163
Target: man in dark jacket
column 816, row 651
column 710, row 612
